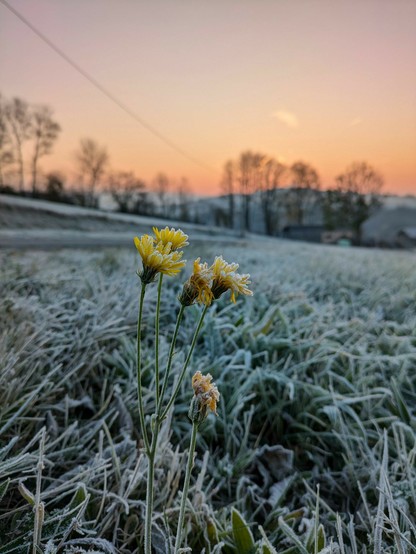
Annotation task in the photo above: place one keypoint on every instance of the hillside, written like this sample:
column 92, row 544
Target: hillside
column 25, row 222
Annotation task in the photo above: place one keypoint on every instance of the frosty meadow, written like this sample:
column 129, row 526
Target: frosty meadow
column 313, row 448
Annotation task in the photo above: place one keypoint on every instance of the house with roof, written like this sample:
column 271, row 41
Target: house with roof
column 406, row 237
column 389, row 227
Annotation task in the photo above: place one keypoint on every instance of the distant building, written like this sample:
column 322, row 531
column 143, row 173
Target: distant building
column 340, row 237
column 308, row 233
column 406, row 237
column 383, row 228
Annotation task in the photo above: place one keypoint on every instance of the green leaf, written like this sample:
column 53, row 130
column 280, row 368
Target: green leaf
column 266, row 545
column 242, row 534
column 3, row 488
column 400, row 406
column 6, row 449
column 288, row 531
column 296, row 514
column 27, row 495
column 316, row 540
column 321, row 540
column 212, row 532
column 79, row 497
column 266, row 322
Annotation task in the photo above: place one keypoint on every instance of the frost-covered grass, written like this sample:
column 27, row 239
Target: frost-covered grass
column 315, row 438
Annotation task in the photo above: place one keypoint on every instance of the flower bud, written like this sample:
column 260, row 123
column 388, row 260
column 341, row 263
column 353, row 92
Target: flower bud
column 205, row 398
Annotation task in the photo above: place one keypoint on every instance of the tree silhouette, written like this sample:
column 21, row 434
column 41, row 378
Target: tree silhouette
column 54, row 186
column 19, row 119
column 358, row 190
column 253, row 173
column 184, row 194
column 92, row 160
column 250, row 167
column 128, row 191
column 360, row 178
column 45, row 132
column 6, row 151
column 228, row 188
column 302, row 194
column 161, row 186
column 271, row 179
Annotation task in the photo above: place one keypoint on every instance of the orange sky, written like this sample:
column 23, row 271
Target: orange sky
column 322, row 81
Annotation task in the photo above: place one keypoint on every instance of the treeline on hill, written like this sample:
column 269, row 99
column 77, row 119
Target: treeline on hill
column 293, row 193
column 29, row 132
column 254, row 186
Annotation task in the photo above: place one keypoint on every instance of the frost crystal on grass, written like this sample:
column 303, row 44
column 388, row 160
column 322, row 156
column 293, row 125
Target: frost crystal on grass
column 321, row 364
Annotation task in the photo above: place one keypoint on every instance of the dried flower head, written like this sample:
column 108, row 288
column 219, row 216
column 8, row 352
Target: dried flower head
column 175, row 237
column 205, row 397
column 157, row 258
column 225, row 277
column 198, row 287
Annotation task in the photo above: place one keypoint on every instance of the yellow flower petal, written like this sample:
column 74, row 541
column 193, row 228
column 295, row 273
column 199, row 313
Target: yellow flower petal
column 205, row 392
column 157, row 258
column 198, row 287
column 225, row 277
column 176, row 238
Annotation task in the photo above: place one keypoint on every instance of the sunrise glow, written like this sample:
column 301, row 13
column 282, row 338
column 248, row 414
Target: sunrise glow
column 328, row 83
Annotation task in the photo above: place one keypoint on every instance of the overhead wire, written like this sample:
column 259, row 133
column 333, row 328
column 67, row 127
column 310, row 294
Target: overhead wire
column 104, row 90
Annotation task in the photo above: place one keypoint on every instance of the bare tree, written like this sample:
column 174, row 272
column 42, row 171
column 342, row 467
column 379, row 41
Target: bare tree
column 360, row 178
column 253, row 173
column 357, row 191
column 228, row 188
column 302, row 194
column 184, row 195
column 271, row 179
column 250, row 168
column 6, row 152
column 161, row 186
column 45, row 132
column 92, row 162
column 127, row 191
column 19, row 118
column 55, row 186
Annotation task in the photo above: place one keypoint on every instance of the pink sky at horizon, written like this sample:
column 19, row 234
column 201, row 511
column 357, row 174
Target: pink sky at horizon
column 325, row 82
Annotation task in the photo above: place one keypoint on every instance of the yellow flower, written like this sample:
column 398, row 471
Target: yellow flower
column 225, row 277
column 157, row 258
column 176, row 238
column 205, row 398
column 198, row 287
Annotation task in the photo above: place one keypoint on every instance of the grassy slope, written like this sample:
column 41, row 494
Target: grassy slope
column 318, row 387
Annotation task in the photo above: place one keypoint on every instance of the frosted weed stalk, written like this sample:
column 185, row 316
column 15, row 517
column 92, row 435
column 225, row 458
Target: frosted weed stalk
column 161, row 255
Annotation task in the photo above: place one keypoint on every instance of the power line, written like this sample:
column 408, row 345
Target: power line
column 105, row 91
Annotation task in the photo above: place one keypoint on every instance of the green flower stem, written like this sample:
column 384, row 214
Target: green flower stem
column 151, row 454
column 150, row 489
column 185, row 365
column 170, row 358
column 155, row 434
column 156, row 423
column 159, row 295
column 189, row 466
column 139, row 370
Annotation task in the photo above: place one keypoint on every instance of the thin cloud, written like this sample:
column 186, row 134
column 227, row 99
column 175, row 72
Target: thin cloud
column 287, row 118
column 356, row 121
